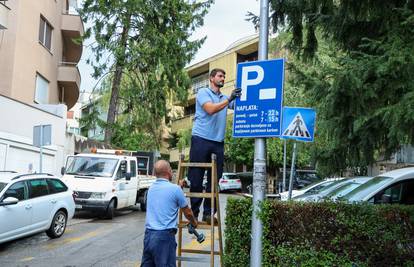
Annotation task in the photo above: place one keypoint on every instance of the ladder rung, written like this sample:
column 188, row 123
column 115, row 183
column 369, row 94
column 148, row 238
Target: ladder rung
column 193, row 259
column 194, row 194
column 197, row 251
column 196, row 164
column 201, row 225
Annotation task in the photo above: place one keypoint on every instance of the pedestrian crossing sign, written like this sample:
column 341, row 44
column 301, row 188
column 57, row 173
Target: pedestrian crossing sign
column 298, row 123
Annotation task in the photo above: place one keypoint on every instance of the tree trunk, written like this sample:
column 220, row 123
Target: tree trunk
column 116, row 82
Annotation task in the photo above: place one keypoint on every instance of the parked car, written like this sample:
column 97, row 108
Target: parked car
column 394, row 187
column 310, row 189
column 229, row 181
column 33, row 203
column 334, row 190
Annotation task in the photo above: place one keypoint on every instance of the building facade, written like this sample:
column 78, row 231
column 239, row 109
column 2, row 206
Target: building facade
column 39, row 51
column 39, row 81
column 245, row 49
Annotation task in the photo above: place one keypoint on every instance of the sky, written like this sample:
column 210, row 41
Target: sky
column 223, row 25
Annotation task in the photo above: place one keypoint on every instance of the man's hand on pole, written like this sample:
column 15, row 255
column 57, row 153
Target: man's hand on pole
column 234, row 94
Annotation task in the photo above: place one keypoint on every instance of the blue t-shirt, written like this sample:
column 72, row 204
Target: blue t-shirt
column 164, row 199
column 210, row 127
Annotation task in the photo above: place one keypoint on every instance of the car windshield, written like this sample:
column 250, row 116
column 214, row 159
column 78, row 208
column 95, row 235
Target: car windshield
column 327, row 189
column 2, row 185
column 91, row 166
column 343, row 189
column 363, row 190
column 230, row 176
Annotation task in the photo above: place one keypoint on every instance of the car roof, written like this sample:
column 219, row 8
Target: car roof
column 6, row 177
column 106, row 156
column 400, row 173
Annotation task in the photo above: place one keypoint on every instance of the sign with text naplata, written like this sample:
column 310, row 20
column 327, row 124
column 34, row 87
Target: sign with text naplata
column 258, row 110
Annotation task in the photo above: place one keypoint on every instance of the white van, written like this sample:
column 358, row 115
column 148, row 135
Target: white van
column 106, row 181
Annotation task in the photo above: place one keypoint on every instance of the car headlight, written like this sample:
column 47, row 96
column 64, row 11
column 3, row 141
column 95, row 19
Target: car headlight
column 98, row 195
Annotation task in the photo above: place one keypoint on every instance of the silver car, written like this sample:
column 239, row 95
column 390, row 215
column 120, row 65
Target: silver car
column 394, row 187
column 33, row 203
column 334, row 190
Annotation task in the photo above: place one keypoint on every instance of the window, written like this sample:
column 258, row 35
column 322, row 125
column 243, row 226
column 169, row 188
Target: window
column 121, row 173
column 143, row 165
column 42, row 90
column 200, row 81
column 133, row 168
column 400, row 193
column 91, row 166
column 45, row 33
column 56, row 186
column 17, row 190
column 38, row 188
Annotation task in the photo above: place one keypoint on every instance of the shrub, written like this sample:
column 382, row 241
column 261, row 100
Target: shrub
column 322, row 234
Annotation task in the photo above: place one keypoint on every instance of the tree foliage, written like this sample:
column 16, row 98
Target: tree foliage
column 356, row 69
column 145, row 45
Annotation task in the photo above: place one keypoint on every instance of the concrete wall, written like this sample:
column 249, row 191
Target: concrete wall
column 16, row 136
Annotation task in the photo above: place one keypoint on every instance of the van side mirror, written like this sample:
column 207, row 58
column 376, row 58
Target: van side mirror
column 128, row 176
column 9, row 201
column 62, row 170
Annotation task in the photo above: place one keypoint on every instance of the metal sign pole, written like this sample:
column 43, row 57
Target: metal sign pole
column 259, row 166
column 41, row 149
column 291, row 171
column 284, row 166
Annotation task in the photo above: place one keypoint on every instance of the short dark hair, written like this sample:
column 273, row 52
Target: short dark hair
column 213, row 72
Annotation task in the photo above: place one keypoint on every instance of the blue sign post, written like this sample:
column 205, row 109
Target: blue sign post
column 298, row 123
column 258, row 111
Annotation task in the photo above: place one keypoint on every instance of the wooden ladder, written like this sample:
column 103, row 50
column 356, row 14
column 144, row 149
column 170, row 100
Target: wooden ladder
column 214, row 197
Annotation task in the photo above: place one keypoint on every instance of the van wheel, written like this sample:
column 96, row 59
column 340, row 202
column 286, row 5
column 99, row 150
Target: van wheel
column 58, row 225
column 143, row 204
column 110, row 210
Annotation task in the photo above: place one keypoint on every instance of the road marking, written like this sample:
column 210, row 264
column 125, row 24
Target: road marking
column 74, row 239
column 207, row 242
column 131, row 263
column 27, row 259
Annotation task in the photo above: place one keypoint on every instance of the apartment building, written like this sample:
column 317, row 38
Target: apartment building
column 39, row 80
column 245, row 49
column 38, row 53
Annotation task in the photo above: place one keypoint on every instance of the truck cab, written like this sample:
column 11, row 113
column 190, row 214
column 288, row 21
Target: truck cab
column 105, row 181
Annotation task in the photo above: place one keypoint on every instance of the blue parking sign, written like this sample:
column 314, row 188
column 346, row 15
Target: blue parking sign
column 258, row 111
column 298, row 123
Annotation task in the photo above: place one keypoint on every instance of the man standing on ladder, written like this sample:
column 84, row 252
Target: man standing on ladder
column 208, row 136
column 164, row 199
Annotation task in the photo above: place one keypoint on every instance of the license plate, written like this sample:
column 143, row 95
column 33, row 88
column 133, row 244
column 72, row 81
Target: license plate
column 78, row 206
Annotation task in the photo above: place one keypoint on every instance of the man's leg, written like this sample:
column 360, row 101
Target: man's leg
column 164, row 251
column 218, row 149
column 147, row 260
column 198, row 153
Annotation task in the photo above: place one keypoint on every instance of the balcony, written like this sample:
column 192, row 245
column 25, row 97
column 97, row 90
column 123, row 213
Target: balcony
column 182, row 123
column 72, row 28
column 69, row 80
column 4, row 13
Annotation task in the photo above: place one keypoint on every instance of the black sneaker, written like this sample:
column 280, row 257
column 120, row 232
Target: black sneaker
column 207, row 219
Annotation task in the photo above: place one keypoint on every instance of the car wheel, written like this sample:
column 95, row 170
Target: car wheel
column 110, row 210
column 143, row 205
column 58, row 225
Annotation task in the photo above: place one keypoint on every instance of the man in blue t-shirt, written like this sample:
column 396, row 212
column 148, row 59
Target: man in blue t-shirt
column 163, row 201
column 208, row 136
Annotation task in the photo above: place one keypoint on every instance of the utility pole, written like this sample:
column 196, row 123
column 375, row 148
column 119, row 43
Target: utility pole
column 259, row 166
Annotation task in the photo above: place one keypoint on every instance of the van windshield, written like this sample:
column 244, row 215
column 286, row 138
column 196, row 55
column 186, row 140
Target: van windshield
column 91, row 166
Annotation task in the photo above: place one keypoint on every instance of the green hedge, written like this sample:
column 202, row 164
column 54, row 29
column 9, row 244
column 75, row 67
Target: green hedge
column 322, row 234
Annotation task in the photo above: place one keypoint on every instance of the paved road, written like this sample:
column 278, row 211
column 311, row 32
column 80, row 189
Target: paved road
column 89, row 241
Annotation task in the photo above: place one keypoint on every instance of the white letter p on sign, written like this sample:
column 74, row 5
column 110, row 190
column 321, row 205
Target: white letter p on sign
column 245, row 79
